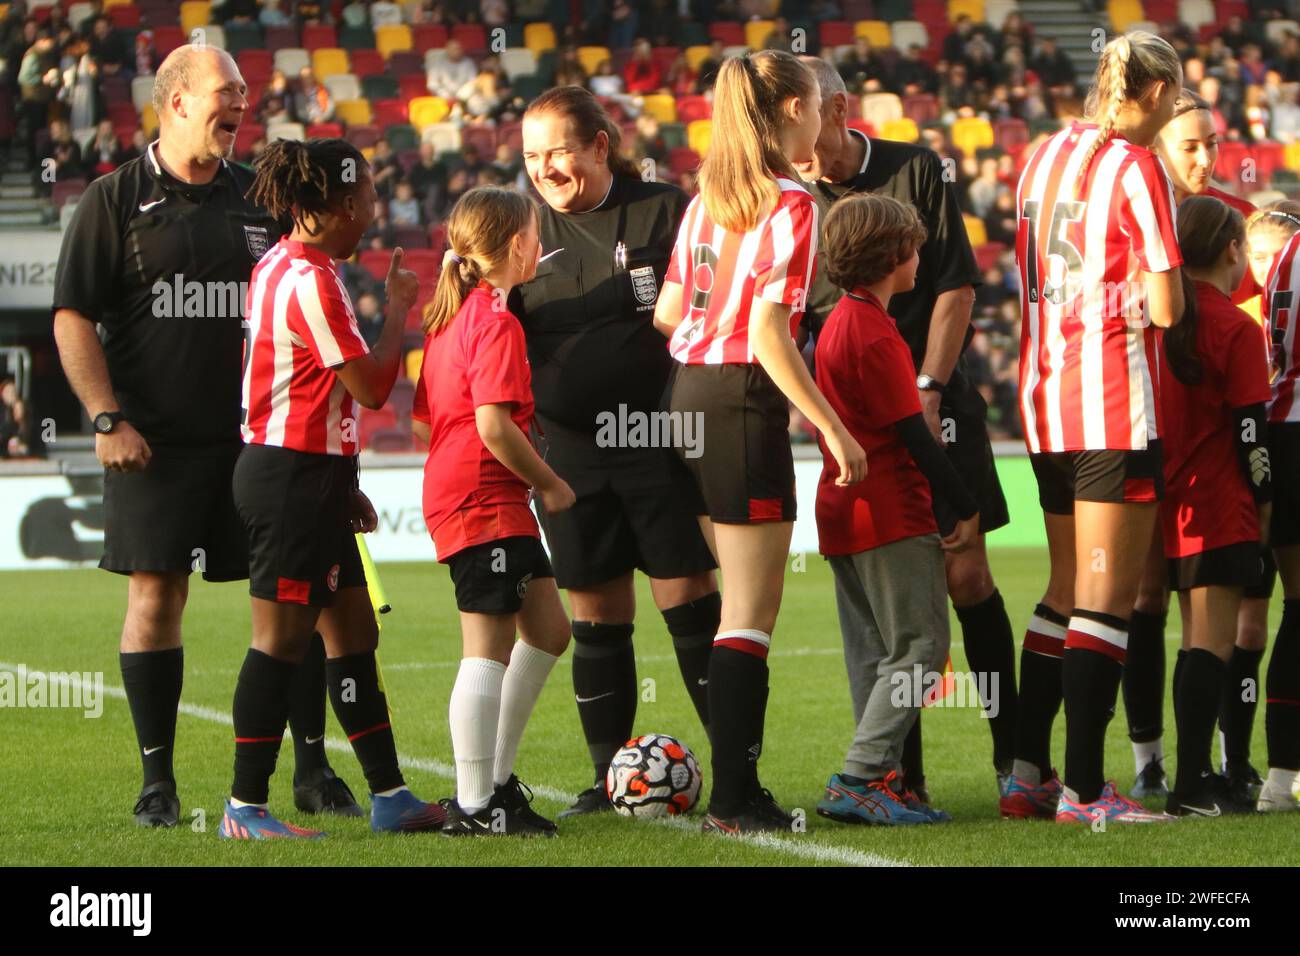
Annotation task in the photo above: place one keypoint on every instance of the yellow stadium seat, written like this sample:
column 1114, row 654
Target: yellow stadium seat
column 427, row 110
column 329, row 61
column 900, row 130
column 1291, row 156
column 970, row 133
column 539, row 37
column 661, row 106
column 353, row 112
column 117, row 3
column 1124, row 13
column 695, row 55
column 149, row 120
column 699, row 134
column 876, row 32
column 972, row 8
column 414, row 362
column 975, row 230
column 194, row 13
column 756, row 32
column 393, row 37
column 368, row 153
column 591, row 57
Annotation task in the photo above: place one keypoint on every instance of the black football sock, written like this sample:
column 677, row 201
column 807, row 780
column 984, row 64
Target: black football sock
column 307, row 711
column 1144, row 677
column 1195, row 709
column 991, row 650
column 737, row 694
column 1040, row 687
column 261, row 713
column 1091, row 670
column 693, row 626
column 362, row 711
column 1237, row 709
column 1179, row 663
column 1282, row 690
column 152, row 680
column 912, row 760
column 604, row 685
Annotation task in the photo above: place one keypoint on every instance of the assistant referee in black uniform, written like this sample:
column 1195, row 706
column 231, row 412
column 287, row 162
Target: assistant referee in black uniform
column 158, row 254
column 934, row 320
column 596, row 358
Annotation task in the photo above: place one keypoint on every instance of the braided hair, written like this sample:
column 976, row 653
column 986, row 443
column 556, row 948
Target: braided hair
column 301, row 179
column 1129, row 65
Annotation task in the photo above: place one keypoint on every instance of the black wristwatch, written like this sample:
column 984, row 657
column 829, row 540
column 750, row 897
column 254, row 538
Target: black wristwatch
column 928, row 383
column 105, row 422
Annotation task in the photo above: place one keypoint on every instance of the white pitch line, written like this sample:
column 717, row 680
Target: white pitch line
column 794, row 846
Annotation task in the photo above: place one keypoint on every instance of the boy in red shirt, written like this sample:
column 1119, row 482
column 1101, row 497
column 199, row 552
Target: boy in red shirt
column 475, row 398
column 880, row 534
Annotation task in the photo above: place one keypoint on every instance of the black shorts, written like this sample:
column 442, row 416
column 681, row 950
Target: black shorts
column 635, row 508
column 1284, row 457
column 971, row 452
column 1107, row 476
column 295, row 510
column 1268, row 577
column 177, row 514
column 492, row 578
column 744, row 468
column 1233, row 565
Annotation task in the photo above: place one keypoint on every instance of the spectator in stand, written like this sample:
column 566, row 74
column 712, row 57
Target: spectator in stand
column 779, row 38
column 624, row 23
column 105, row 153
column 472, row 163
column 1251, row 64
column 605, row 82
column 1054, row 67
column 64, row 153
column 509, row 164
column 662, row 22
column 954, row 44
column 312, row 101
column 820, row 10
column 404, row 208
column 380, row 235
column 17, row 34
column 385, row 13
column 1288, row 59
column 681, row 79
column 106, row 47
column 1258, row 116
column 649, row 142
column 1016, row 35
column 451, row 72
column 427, row 175
column 370, row 317
column 311, row 12
column 38, row 82
column 13, row 421
column 458, row 183
column 641, row 74
column 276, row 105
column 1001, row 222
column 1286, row 114
column 861, row 65
column 1234, row 35
column 356, row 14
column 568, row 70
column 81, row 91
column 146, row 56
column 956, row 92
column 986, row 188
column 982, row 69
column 385, row 170
column 1210, row 89
column 483, row 97
column 709, row 67
column 272, row 14
column 913, row 75
column 493, row 13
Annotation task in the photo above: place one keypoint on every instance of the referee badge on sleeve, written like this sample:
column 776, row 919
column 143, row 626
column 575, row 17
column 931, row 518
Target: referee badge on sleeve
column 644, row 285
column 258, row 240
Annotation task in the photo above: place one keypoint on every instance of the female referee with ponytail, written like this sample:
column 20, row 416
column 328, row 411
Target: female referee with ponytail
column 295, row 483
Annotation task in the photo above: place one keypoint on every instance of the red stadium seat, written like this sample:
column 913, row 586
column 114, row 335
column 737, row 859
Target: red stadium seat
column 406, row 63
column 423, row 262
column 482, row 138
column 1011, row 133
column 438, row 239
column 324, row 131
column 255, row 65
column 376, row 261
column 692, row 108
column 428, row 36
column 319, row 36
column 1160, row 11
column 1269, row 157
column 362, row 136
column 683, row 159
column 122, row 114
column 124, row 16
column 366, row 63
column 1232, row 154
column 862, row 126
column 374, row 420
column 281, row 38
column 244, row 138
column 664, row 56
column 115, row 89
column 729, row 32
column 987, row 255
column 412, row 85
column 411, row 238
column 836, row 33
column 388, row 112
column 166, row 39
column 921, row 108
column 512, row 134
column 472, row 38
column 66, row 190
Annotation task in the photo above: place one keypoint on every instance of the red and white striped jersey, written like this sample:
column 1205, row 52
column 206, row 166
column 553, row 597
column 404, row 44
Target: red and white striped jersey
column 301, row 327
column 721, row 273
column 1280, row 292
column 1087, row 351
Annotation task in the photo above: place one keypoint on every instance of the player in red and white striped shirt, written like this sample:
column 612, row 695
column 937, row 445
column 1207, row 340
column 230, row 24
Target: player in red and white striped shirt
column 735, row 289
column 1282, row 680
column 1098, row 257
column 295, row 483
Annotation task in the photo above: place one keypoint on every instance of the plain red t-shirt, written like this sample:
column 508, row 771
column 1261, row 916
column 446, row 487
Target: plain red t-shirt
column 865, row 370
column 470, row 498
column 1248, row 287
column 1207, row 502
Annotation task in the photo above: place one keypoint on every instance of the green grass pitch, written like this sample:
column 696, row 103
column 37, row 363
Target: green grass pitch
column 67, row 783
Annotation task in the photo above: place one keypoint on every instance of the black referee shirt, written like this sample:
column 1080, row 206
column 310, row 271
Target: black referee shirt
column 588, row 319
column 911, row 174
column 159, row 263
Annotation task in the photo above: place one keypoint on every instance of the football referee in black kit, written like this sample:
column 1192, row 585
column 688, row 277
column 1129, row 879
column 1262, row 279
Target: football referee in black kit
column 934, row 320
column 598, row 363
column 158, row 254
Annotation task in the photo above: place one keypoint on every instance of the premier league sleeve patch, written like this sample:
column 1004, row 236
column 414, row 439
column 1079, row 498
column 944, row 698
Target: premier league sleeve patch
column 644, row 285
column 258, row 240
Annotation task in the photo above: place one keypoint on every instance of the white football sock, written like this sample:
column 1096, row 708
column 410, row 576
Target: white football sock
column 1280, row 780
column 524, row 680
column 475, row 708
column 240, row 803
column 393, row 792
column 1144, row 753
column 1027, row 772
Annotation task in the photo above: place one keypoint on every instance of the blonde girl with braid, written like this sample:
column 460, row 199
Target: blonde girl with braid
column 1099, row 265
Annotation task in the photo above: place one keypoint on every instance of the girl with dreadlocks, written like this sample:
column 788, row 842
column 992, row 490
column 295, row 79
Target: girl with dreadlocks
column 1098, row 257
column 295, row 484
